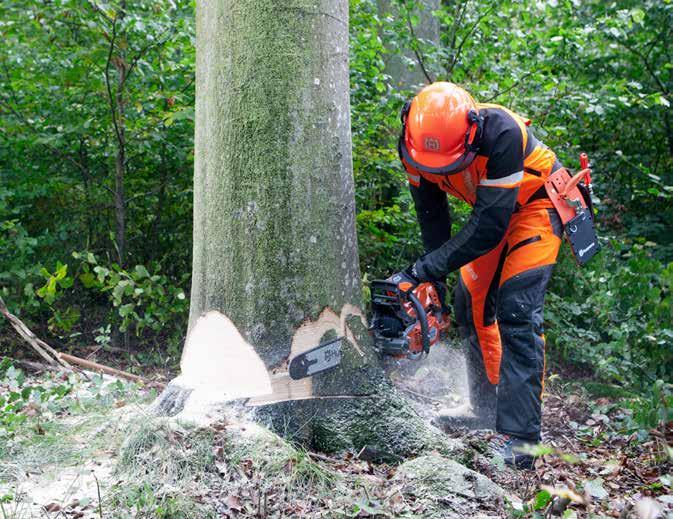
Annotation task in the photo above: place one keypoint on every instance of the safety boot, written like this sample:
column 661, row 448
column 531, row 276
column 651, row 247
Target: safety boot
column 512, row 450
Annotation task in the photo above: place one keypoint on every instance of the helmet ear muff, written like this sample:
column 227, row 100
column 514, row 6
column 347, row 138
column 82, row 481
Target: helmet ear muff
column 405, row 112
column 477, row 120
column 403, row 118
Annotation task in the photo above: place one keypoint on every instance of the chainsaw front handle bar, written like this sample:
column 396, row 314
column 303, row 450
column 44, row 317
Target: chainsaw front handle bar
column 422, row 317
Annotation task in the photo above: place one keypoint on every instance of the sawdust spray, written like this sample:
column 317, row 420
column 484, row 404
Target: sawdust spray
column 436, row 383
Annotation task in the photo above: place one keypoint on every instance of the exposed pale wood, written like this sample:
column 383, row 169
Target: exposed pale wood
column 42, row 348
column 308, row 336
column 285, row 388
column 216, row 355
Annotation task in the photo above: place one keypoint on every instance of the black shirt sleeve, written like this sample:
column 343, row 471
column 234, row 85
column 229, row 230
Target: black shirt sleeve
column 432, row 211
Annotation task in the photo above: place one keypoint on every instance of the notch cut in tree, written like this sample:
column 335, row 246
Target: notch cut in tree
column 275, row 268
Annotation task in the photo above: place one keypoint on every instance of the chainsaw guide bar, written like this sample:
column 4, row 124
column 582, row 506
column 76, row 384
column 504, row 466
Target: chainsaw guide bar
column 321, row 358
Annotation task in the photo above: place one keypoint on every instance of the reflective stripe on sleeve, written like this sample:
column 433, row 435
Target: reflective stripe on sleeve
column 514, row 178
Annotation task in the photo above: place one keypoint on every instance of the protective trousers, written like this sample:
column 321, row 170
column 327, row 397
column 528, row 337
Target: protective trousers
column 498, row 305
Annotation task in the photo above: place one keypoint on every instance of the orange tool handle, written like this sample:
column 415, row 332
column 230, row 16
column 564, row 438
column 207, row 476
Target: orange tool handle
column 584, row 164
column 572, row 183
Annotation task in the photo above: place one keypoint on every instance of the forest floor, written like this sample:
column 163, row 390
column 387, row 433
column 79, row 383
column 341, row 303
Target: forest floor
column 93, row 449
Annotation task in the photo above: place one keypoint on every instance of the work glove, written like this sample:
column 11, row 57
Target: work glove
column 421, row 273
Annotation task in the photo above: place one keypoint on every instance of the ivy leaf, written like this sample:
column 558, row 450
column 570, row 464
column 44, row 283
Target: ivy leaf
column 542, row 499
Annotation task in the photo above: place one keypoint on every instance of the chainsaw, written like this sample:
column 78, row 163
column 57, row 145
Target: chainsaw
column 406, row 320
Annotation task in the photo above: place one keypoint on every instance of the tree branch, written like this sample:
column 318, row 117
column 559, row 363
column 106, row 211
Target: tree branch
column 113, row 108
column 419, row 58
column 474, row 26
column 648, row 66
column 146, row 48
column 61, row 154
column 42, row 348
column 510, row 88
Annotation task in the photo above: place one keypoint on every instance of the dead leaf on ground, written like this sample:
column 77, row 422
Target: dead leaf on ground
column 234, row 503
column 52, row 507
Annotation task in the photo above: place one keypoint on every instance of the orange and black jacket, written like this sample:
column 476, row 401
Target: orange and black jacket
column 508, row 172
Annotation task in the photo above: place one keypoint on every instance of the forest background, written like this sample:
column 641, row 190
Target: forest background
column 96, row 164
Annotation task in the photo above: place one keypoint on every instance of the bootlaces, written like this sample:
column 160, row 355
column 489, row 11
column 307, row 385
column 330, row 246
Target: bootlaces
column 499, row 441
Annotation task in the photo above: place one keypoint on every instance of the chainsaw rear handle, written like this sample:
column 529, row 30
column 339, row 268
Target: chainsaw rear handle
column 422, row 317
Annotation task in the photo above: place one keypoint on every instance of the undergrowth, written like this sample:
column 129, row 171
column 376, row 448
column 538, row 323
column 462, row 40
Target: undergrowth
column 165, row 469
column 614, row 318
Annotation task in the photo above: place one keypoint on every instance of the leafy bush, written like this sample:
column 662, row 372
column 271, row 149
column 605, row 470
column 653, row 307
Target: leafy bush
column 141, row 300
column 22, row 399
column 616, row 315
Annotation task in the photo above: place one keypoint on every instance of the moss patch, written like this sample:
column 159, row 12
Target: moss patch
column 383, row 422
column 447, row 489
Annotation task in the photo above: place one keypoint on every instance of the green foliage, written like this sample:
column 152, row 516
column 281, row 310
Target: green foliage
column 141, row 300
column 616, row 315
column 75, row 75
column 654, row 408
column 593, row 77
column 23, row 398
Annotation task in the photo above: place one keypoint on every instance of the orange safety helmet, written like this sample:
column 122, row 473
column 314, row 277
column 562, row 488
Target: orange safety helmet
column 441, row 129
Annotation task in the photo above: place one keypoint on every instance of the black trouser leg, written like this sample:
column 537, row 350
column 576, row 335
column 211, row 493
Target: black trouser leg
column 520, row 306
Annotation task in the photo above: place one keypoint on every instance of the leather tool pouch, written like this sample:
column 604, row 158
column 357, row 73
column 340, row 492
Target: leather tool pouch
column 582, row 237
column 572, row 201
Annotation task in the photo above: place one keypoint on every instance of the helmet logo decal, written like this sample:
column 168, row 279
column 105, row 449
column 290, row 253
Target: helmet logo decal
column 431, row 143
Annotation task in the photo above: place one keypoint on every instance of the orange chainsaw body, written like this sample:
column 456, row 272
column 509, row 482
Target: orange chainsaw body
column 407, row 320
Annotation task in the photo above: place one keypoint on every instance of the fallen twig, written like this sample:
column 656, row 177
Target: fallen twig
column 322, row 457
column 53, row 357
column 41, row 347
column 34, row 366
column 102, row 368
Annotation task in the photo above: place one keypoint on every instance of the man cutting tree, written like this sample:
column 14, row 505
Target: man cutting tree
column 487, row 156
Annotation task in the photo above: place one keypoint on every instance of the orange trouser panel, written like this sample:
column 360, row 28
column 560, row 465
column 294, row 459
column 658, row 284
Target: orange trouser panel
column 477, row 277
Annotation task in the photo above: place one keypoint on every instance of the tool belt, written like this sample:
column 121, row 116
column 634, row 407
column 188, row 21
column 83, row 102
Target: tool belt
column 571, row 196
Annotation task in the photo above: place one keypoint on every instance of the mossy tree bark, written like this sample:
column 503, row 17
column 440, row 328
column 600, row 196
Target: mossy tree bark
column 275, row 253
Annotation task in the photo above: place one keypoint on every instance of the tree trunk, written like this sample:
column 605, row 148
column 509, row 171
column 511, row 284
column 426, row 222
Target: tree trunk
column 274, row 211
column 119, row 113
column 275, row 268
column 426, row 29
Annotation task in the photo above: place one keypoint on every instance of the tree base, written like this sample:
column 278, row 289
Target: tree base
column 381, row 427
column 172, row 400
